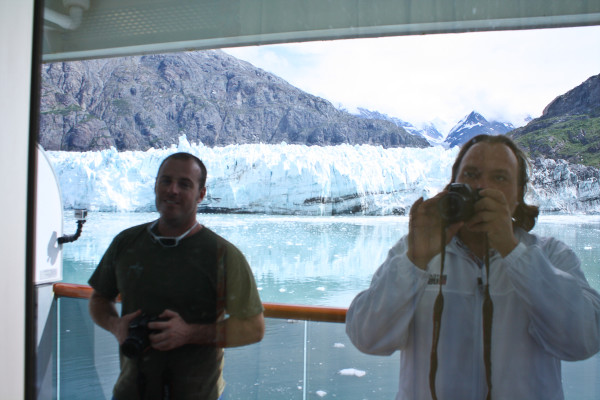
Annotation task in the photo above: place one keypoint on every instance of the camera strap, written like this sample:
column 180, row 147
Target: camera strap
column 488, row 313
column 141, row 382
column 219, row 331
column 220, row 334
column 487, row 316
column 141, row 378
column 438, row 307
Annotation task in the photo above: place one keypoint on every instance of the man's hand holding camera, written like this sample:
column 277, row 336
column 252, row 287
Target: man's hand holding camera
column 425, row 226
column 164, row 332
column 464, row 212
column 493, row 216
column 121, row 327
column 172, row 332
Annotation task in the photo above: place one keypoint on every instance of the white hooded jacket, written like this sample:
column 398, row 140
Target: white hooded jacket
column 544, row 312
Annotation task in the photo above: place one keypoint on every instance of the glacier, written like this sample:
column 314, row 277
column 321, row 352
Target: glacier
column 298, row 179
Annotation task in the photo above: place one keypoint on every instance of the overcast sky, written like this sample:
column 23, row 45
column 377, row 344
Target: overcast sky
column 503, row 75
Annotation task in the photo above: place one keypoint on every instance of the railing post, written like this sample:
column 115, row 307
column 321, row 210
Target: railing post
column 58, row 341
column 305, row 372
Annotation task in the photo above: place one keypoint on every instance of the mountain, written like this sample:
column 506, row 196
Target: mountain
column 427, row 131
column 142, row 102
column 569, row 127
column 472, row 125
column 431, row 132
column 583, row 99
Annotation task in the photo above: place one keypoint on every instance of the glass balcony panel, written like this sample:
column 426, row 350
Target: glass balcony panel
column 270, row 369
column 88, row 359
column 336, row 369
column 295, row 360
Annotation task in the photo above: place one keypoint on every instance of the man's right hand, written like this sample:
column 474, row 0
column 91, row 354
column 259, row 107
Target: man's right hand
column 121, row 326
column 104, row 313
column 424, row 231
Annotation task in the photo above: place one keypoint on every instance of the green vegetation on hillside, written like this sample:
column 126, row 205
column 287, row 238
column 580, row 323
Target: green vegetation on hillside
column 63, row 111
column 122, row 106
column 575, row 138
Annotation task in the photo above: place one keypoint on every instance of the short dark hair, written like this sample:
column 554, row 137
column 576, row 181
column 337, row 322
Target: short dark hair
column 185, row 157
column 525, row 215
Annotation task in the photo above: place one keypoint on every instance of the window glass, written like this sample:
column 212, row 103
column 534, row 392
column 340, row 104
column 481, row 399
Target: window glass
column 315, row 150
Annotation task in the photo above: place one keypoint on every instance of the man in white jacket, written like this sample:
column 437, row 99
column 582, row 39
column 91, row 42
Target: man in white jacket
column 542, row 309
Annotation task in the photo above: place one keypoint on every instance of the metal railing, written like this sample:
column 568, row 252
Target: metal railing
column 272, row 310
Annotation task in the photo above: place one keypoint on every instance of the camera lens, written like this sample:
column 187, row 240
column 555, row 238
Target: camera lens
column 132, row 347
column 137, row 339
column 451, row 206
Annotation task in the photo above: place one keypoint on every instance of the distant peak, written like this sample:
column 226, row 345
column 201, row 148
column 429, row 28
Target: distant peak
column 475, row 116
column 475, row 124
column 579, row 100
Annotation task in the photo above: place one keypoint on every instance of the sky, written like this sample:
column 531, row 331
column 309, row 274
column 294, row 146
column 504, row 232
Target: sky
column 505, row 76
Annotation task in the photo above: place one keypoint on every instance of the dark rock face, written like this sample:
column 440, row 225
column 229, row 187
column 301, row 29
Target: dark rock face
column 136, row 103
column 584, row 99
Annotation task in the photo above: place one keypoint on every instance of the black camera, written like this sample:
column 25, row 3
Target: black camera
column 458, row 204
column 138, row 336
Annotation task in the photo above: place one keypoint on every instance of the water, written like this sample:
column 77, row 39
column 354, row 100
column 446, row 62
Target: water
column 327, row 261
column 296, row 260
column 310, row 260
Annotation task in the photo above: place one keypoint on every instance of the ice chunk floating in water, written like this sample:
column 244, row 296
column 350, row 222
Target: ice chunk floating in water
column 352, row 372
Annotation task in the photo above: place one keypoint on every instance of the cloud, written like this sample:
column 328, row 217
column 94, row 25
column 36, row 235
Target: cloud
column 504, row 75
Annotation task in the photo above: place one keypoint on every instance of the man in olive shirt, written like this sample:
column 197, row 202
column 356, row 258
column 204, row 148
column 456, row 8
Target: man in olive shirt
column 196, row 285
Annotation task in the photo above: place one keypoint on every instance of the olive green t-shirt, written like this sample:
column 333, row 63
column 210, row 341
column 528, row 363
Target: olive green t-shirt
column 201, row 278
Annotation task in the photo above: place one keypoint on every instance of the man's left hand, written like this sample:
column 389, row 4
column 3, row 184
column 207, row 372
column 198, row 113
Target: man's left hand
column 174, row 332
column 493, row 216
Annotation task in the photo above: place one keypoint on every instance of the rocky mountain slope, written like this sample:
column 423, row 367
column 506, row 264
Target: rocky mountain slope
column 136, row 103
column 569, row 127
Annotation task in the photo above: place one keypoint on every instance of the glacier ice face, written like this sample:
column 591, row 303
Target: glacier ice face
column 559, row 186
column 295, row 179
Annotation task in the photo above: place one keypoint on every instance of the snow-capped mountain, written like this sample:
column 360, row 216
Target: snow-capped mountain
column 472, row 125
column 430, row 132
column 427, row 131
